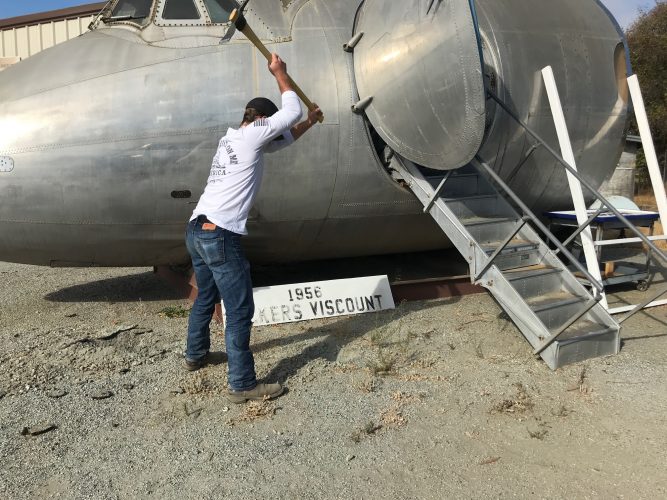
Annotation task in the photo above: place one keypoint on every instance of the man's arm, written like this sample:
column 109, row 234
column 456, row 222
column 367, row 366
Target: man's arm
column 301, row 128
column 290, row 111
column 285, row 120
column 281, row 143
column 278, row 69
column 263, row 132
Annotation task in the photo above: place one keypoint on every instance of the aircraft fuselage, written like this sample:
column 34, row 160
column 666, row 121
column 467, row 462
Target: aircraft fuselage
column 112, row 134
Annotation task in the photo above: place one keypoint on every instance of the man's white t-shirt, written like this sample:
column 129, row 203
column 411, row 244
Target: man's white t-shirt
column 236, row 173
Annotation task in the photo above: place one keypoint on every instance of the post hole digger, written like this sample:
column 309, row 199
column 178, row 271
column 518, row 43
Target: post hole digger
column 239, row 22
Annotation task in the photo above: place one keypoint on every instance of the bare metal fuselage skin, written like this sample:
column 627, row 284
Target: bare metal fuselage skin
column 108, row 132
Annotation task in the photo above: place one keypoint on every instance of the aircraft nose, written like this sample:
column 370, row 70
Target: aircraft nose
column 37, row 121
column 28, row 192
column 79, row 149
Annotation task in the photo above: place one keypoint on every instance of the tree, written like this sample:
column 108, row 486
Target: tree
column 647, row 39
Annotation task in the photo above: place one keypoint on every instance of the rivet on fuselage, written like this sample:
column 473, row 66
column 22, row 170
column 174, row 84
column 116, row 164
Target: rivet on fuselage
column 6, row 164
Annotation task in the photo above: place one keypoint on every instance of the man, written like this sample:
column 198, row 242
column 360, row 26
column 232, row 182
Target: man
column 217, row 224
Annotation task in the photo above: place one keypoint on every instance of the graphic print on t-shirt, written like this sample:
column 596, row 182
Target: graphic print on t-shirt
column 218, row 170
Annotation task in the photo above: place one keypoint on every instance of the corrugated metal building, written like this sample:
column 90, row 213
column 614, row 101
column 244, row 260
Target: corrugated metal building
column 24, row 36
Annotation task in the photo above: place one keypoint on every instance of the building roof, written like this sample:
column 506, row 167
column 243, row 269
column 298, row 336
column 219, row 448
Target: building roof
column 53, row 15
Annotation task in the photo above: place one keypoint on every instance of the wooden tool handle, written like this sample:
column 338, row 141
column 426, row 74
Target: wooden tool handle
column 250, row 35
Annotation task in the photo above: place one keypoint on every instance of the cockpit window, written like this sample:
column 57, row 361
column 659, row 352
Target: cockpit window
column 220, row 10
column 131, row 10
column 180, row 9
column 172, row 11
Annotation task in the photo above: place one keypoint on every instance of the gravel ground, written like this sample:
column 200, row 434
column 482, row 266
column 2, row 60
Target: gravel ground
column 437, row 399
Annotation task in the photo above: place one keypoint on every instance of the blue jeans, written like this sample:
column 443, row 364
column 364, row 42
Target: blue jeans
column 221, row 270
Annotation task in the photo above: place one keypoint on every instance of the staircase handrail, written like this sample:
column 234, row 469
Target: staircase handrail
column 479, row 162
column 581, row 179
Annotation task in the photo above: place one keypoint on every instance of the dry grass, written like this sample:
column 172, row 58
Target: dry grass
column 519, row 404
column 254, row 410
column 384, row 365
column 390, row 418
column 198, row 383
column 418, row 377
column 405, row 398
column 646, row 201
column 367, row 384
column 174, row 312
column 581, row 383
column 538, row 434
column 393, row 417
column 367, row 430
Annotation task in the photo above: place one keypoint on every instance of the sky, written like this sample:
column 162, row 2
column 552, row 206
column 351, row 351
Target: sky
column 624, row 10
column 12, row 8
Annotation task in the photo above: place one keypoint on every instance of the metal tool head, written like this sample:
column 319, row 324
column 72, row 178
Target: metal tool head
column 237, row 20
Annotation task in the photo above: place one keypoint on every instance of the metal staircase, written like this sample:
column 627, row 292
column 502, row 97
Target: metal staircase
column 560, row 318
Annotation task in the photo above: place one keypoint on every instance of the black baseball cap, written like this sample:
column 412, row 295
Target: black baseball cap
column 263, row 105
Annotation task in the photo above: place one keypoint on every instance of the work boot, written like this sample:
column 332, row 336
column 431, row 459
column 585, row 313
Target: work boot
column 259, row 393
column 192, row 365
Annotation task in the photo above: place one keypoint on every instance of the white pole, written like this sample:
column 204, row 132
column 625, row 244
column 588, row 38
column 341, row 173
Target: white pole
column 575, row 186
column 649, row 150
column 624, row 309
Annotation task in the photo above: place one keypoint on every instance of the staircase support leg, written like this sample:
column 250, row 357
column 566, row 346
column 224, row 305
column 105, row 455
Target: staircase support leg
column 649, row 149
column 575, row 186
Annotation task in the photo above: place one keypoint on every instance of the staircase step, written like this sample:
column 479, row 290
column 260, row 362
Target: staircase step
column 437, row 177
column 457, row 175
column 476, row 197
column 535, row 280
column 466, row 207
column 553, row 300
column 481, row 220
column 461, row 185
column 532, row 272
column 487, row 230
column 517, row 254
column 466, row 170
column 514, row 246
column 583, row 341
column 584, row 330
column 556, row 308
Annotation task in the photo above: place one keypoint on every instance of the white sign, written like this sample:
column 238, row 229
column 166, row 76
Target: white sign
column 322, row 299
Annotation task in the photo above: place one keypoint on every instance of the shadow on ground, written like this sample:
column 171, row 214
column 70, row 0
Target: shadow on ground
column 336, row 336
column 145, row 287
column 150, row 287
